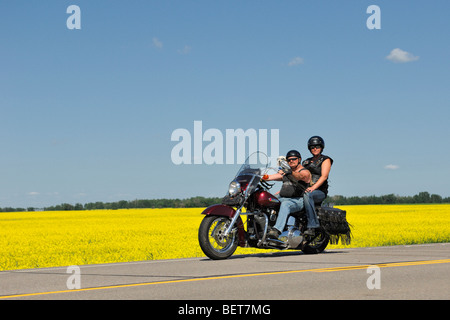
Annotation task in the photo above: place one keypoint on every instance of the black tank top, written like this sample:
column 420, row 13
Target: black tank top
column 315, row 167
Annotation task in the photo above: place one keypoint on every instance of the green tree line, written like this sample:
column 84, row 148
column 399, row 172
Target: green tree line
column 194, row 202
column 422, row 197
column 200, row 202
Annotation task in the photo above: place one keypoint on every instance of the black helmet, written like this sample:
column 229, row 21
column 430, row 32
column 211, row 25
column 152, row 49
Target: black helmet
column 316, row 141
column 293, row 153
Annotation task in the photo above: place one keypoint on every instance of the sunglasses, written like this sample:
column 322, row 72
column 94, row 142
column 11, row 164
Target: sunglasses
column 315, row 147
column 291, row 159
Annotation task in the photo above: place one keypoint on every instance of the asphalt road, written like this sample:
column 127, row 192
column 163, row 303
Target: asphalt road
column 397, row 272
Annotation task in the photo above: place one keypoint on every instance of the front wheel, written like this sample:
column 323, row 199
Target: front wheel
column 211, row 239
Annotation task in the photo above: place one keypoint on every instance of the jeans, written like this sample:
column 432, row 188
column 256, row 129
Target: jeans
column 309, row 199
column 288, row 205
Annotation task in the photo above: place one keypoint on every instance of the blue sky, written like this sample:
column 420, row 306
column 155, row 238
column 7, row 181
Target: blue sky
column 87, row 115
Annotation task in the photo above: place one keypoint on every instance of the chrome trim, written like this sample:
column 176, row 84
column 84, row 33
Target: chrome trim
column 233, row 221
column 238, row 211
column 234, row 188
column 277, row 244
column 250, row 213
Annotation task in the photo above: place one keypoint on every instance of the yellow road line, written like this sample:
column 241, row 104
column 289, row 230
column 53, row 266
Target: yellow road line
column 384, row 265
column 347, row 268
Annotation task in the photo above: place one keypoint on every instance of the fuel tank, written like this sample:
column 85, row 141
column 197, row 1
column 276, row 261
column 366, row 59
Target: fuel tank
column 264, row 198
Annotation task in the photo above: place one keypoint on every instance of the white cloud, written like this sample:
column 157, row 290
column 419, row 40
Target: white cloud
column 391, row 167
column 33, row 193
column 295, row 61
column 399, row 56
column 185, row 50
column 157, row 43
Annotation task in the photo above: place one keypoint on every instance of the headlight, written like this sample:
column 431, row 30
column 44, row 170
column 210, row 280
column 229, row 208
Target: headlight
column 234, row 188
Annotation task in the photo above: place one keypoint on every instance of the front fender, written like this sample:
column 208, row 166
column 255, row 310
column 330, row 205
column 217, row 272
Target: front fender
column 226, row 211
column 219, row 210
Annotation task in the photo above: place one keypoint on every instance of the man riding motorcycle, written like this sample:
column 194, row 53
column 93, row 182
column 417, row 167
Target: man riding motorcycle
column 295, row 179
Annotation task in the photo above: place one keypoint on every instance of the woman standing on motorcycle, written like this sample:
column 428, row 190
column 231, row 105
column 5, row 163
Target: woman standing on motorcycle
column 319, row 165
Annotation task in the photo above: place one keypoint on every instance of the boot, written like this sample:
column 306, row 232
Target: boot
column 273, row 233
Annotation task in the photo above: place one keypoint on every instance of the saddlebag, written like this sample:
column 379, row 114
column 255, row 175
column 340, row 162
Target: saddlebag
column 334, row 221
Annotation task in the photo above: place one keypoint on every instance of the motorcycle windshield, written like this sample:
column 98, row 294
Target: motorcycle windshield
column 251, row 172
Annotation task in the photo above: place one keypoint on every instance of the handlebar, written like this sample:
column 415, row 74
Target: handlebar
column 266, row 185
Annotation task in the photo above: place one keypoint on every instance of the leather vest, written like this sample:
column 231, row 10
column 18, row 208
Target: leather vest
column 315, row 167
column 292, row 188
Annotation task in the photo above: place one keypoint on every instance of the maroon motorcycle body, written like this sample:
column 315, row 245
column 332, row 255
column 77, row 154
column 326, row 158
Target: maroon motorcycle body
column 266, row 199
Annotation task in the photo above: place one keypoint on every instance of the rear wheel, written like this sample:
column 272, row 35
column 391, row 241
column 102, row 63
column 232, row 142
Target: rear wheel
column 318, row 244
column 211, row 239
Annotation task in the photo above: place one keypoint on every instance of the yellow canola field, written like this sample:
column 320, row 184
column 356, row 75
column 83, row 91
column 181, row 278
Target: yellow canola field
column 63, row 238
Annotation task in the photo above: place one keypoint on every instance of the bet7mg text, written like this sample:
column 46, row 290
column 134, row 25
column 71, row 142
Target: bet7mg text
column 225, row 309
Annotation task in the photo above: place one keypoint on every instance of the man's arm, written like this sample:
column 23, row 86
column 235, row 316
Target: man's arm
column 303, row 175
column 273, row 177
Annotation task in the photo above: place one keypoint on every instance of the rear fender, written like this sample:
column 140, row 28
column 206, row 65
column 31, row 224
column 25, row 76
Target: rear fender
column 226, row 211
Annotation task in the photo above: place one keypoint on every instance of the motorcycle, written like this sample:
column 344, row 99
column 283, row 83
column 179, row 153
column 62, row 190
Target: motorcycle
column 222, row 229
